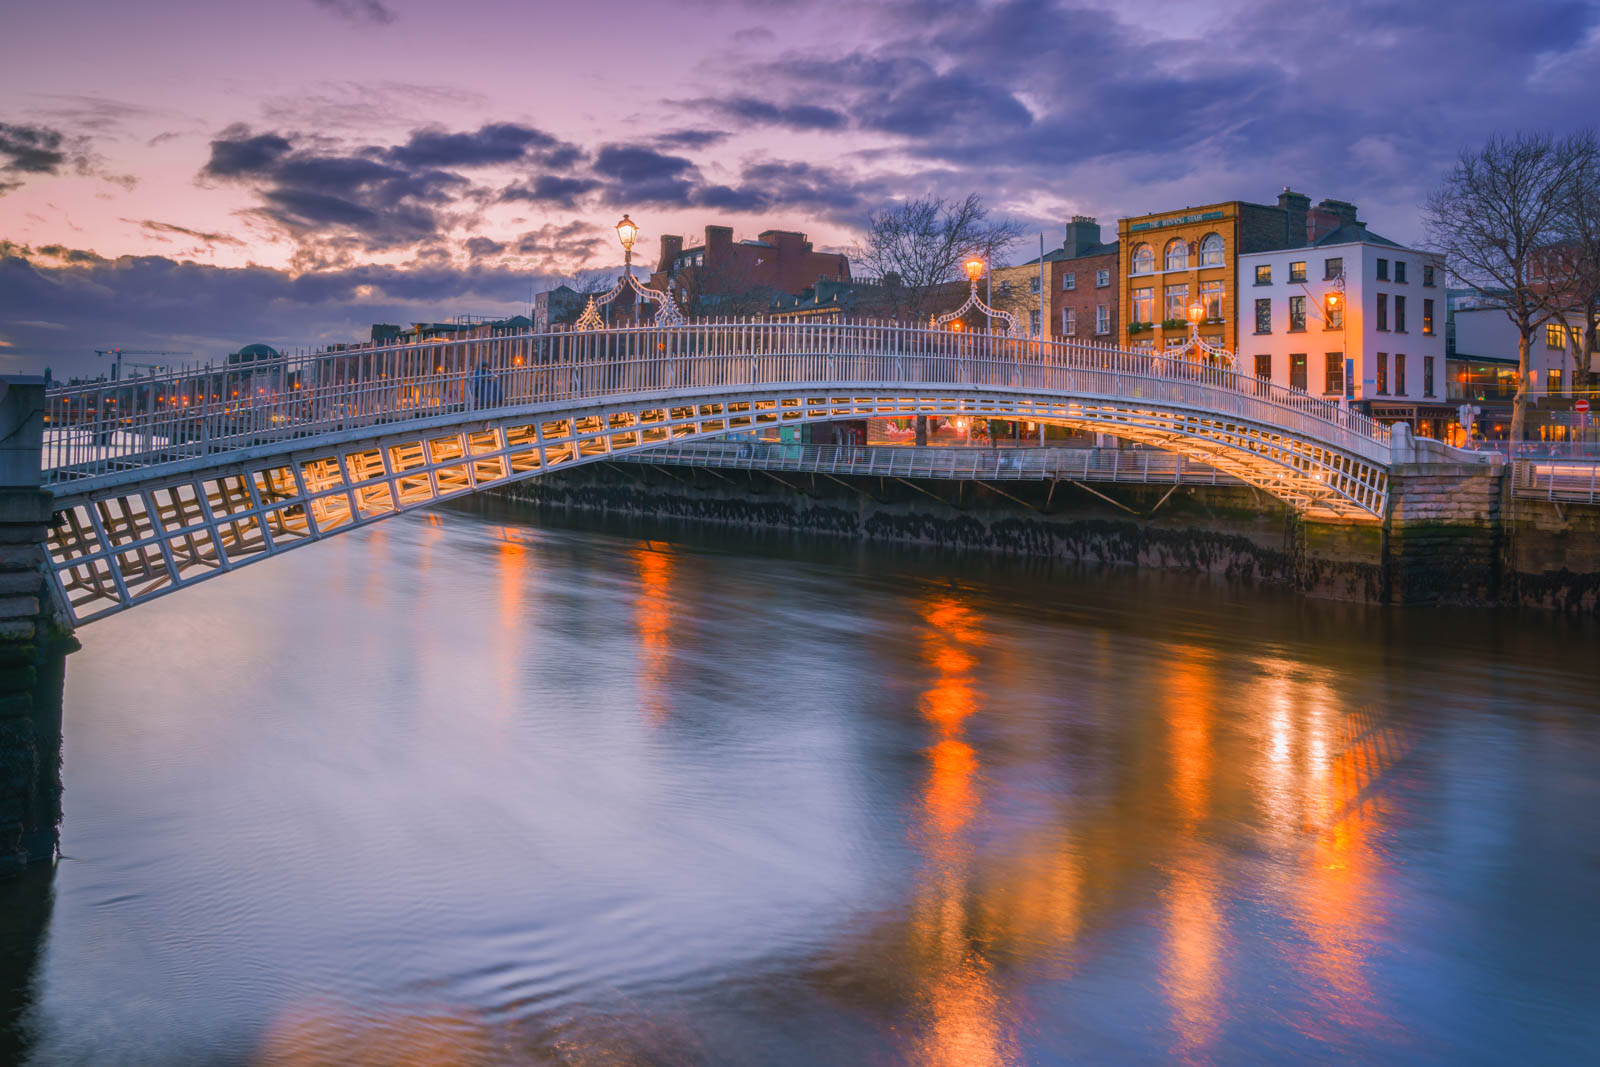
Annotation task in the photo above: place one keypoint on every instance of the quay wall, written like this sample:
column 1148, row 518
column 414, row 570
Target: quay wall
column 1453, row 534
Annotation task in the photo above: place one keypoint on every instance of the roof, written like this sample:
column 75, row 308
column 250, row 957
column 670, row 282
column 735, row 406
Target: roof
column 1057, row 254
column 1348, row 234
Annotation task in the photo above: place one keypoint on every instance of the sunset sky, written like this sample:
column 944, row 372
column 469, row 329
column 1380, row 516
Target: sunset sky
column 197, row 175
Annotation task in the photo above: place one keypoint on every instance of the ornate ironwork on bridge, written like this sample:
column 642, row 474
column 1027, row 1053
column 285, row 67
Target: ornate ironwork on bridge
column 164, row 481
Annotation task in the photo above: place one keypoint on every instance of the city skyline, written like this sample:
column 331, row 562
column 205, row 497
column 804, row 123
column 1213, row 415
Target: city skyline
column 197, row 179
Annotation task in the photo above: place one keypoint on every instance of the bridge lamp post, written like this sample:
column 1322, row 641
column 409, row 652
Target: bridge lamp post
column 974, row 267
column 667, row 312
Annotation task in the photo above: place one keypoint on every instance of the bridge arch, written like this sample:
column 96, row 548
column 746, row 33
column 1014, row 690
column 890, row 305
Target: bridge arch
column 392, row 429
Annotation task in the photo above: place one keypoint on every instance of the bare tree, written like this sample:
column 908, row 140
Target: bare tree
column 923, row 242
column 728, row 289
column 1494, row 218
column 1576, row 270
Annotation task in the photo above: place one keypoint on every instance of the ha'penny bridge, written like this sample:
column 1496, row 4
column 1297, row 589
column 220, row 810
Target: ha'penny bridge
column 160, row 482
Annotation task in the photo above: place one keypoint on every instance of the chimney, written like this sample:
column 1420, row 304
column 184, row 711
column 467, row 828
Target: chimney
column 671, row 245
column 1083, row 233
column 1295, row 208
column 718, row 237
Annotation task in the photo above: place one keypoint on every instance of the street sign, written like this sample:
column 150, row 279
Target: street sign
column 1581, row 405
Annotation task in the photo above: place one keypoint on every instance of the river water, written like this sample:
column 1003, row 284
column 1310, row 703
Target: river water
column 472, row 788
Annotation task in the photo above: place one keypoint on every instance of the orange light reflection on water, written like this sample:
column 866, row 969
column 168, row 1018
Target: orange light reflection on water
column 652, row 618
column 961, row 1009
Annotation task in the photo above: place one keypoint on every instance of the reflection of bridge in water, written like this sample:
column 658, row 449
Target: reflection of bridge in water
column 161, row 482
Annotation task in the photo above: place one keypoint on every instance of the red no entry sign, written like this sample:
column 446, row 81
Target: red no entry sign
column 1581, row 405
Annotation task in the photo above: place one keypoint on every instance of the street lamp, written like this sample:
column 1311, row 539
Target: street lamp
column 1197, row 312
column 667, row 312
column 627, row 230
column 974, row 266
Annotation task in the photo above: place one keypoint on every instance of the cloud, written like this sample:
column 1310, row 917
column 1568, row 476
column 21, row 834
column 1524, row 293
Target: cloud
column 755, row 111
column 358, row 10
column 32, row 149
column 161, row 303
column 552, row 189
column 499, row 142
column 160, row 230
column 690, row 138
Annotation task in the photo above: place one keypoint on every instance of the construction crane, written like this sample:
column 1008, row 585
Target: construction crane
column 118, row 353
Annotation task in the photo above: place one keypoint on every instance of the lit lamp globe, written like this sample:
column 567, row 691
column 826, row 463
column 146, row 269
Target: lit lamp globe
column 1197, row 312
column 1333, row 301
column 974, row 268
column 627, row 230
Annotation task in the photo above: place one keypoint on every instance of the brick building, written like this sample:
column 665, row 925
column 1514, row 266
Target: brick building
column 724, row 276
column 1172, row 258
column 1084, row 275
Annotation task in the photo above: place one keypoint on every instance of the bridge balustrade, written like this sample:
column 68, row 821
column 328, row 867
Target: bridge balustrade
column 106, row 427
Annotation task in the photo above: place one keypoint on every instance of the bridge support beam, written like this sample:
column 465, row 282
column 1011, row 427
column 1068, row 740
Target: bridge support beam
column 34, row 639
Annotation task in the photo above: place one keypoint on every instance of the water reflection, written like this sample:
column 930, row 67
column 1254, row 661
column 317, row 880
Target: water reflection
column 1193, row 970
column 550, row 795
column 960, row 1006
column 652, row 619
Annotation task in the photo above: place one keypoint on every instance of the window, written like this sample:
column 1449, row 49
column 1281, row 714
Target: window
column 1144, row 260
column 1102, row 318
column 1427, row 368
column 1427, row 275
column 1177, row 301
column 1177, row 254
column 1034, row 284
column 1069, row 322
column 1297, row 314
column 1297, row 271
column 1102, row 278
column 1427, row 317
column 1383, row 374
column 1069, row 280
column 1332, row 313
column 1211, row 250
column 1399, row 314
column 1383, row 270
column 1211, row 296
column 1333, row 373
column 1399, row 374
column 1383, row 310
column 1264, row 274
column 1332, row 268
column 1005, row 287
column 1552, row 384
column 1554, row 336
column 1033, row 321
column 1400, row 271
column 1264, row 367
column 1297, row 371
column 1264, row 315
column 1144, row 305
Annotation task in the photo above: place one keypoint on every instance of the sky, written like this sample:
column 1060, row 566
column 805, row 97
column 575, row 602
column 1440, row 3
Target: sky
column 196, row 176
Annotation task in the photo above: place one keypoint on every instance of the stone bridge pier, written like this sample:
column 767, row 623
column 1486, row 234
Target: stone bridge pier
column 34, row 639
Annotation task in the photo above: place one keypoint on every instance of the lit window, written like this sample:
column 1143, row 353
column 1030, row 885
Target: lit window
column 1144, row 305
column 1177, row 254
column 1211, row 296
column 1297, row 271
column 1264, row 274
column 1144, row 260
column 1177, row 301
column 1554, row 336
column 1211, row 250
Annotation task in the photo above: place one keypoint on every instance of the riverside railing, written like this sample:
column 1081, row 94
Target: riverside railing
column 1557, row 479
column 1145, row 465
column 105, row 427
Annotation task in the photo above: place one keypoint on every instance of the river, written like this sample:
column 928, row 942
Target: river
column 474, row 788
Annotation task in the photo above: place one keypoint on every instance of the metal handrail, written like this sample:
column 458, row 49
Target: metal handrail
column 105, row 427
column 1557, row 479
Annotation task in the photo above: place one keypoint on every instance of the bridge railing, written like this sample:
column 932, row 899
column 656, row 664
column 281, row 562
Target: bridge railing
column 105, row 427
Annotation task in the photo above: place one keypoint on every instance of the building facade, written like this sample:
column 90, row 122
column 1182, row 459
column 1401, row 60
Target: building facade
column 1171, row 258
column 1084, row 286
column 1351, row 315
column 724, row 276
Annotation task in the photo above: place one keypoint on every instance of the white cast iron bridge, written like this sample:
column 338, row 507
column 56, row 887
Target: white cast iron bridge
column 160, row 482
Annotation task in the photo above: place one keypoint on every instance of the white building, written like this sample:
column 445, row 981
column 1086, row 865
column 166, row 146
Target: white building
column 1351, row 315
column 1481, row 332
